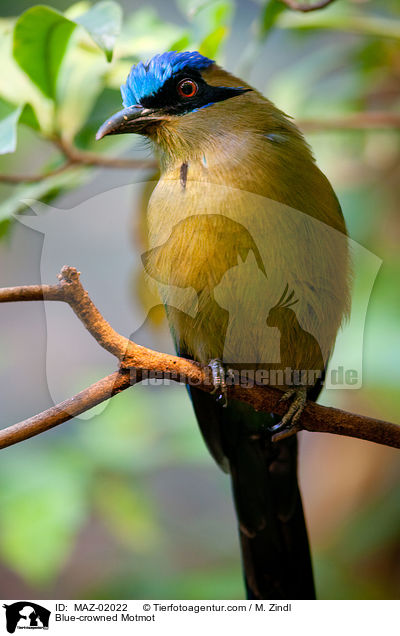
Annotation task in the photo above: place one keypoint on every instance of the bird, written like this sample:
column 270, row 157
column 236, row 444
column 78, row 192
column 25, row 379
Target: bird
column 240, row 215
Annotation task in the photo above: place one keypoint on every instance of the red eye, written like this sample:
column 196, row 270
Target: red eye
column 187, row 88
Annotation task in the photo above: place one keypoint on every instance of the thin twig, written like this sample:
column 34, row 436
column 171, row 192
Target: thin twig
column 353, row 22
column 355, row 121
column 73, row 157
column 34, row 178
column 80, row 403
column 95, row 159
column 305, row 8
column 135, row 359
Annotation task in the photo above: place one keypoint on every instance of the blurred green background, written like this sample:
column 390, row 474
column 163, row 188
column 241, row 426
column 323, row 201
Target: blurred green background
column 128, row 503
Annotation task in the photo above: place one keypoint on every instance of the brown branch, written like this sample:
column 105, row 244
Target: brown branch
column 73, row 157
column 355, row 121
column 135, row 359
column 305, row 8
column 83, row 401
column 34, row 178
column 70, row 290
column 76, row 156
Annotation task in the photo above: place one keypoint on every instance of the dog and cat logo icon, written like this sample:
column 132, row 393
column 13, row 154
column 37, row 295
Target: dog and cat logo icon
column 26, row 615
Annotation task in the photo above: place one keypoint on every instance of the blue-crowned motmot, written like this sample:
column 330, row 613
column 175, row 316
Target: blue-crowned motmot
column 244, row 222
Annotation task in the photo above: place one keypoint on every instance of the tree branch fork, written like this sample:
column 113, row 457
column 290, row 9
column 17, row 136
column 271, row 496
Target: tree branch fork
column 135, row 359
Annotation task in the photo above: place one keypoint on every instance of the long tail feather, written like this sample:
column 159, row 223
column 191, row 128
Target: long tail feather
column 273, row 536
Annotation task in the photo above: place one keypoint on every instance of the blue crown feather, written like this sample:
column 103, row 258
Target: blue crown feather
column 146, row 79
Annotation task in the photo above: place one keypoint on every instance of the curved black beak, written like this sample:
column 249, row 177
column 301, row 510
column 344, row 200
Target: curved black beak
column 133, row 119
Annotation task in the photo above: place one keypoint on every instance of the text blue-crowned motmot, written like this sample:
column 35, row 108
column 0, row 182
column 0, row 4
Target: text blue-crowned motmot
column 246, row 226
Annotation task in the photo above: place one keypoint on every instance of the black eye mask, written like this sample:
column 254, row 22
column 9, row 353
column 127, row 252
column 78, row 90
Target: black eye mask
column 171, row 102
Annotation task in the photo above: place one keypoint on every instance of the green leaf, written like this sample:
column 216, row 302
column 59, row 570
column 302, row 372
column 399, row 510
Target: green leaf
column 28, row 117
column 15, row 85
column 103, row 22
column 211, row 44
column 211, row 15
column 181, row 44
column 41, row 36
column 210, row 21
column 77, row 9
column 144, row 34
column 82, row 75
column 270, row 13
column 192, row 7
column 9, row 116
column 5, row 227
column 223, row 12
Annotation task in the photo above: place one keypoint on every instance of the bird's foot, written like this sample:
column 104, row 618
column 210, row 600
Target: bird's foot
column 289, row 424
column 219, row 376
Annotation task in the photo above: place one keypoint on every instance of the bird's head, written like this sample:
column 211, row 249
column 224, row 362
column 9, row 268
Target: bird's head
column 169, row 95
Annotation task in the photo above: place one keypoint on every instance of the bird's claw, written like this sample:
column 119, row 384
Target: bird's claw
column 219, row 381
column 289, row 424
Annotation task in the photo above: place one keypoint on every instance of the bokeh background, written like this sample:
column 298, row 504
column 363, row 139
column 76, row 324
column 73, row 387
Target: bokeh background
column 127, row 503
